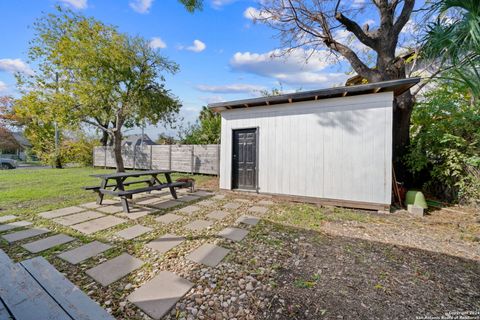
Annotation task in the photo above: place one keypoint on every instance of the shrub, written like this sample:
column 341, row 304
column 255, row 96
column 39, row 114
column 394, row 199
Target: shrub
column 445, row 142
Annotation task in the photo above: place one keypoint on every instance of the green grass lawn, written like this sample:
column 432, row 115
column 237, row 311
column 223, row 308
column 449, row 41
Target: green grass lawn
column 30, row 191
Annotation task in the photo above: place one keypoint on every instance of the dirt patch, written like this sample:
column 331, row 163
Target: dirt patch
column 335, row 277
column 351, row 264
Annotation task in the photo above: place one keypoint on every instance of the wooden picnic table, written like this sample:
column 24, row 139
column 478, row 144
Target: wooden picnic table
column 118, row 181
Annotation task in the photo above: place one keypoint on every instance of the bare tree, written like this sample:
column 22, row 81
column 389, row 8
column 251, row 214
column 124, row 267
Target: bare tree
column 318, row 24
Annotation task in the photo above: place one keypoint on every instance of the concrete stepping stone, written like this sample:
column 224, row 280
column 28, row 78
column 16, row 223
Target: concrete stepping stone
column 201, row 193
column 219, row 197
column 188, row 198
column 110, row 209
column 7, row 218
column 265, row 202
column 232, row 205
column 78, row 217
column 207, row 203
column 114, row 269
column 167, row 204
column 84, row 252
column 14, row 225
column 90, row 205
column 257, row 209
column 234, row 234
column 165, row 243
column 47, row 243
column 133, row 232
column 198, row 225
column 61, row 212
column 159, row 295
column 148, row 201
column 99, row 224
column 20, row 235
column 217, row 215
column 135, row 213
column 189, row 210
column 208, row 254
column 242, row 200
column 250, row 220
column 168, row 218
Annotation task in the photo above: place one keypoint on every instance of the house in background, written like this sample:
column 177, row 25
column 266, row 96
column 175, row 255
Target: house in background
column 136, row 140
column 14, row 145
column 331, row 146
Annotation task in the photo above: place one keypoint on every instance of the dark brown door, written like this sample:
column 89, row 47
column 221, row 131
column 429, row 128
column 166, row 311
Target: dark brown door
column 244, row 159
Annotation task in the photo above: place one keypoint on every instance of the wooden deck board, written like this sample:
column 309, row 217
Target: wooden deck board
column 73, row 300
column 4, row 314
column 24, row 297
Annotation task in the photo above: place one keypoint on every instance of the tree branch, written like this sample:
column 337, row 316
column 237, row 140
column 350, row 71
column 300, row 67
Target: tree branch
column 353, row 27
column 404, row 16
column 92, row 123
column 357, row 64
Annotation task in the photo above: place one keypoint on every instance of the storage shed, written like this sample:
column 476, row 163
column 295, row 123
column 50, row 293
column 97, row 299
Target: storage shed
column 331, row 146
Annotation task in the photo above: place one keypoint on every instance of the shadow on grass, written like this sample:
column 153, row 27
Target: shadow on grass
column 325, row 276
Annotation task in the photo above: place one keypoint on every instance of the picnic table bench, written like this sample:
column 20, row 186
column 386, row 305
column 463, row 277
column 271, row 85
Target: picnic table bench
column 33, row 289
column 117, row 181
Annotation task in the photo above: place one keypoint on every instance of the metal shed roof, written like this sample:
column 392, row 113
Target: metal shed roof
column 396, row 86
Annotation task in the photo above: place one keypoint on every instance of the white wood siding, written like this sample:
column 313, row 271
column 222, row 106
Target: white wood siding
column 338, row 148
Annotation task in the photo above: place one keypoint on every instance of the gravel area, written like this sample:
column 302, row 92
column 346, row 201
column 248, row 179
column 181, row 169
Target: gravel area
column 342, row 265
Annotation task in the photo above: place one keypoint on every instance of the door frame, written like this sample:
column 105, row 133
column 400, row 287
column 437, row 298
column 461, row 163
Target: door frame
column 257, row 133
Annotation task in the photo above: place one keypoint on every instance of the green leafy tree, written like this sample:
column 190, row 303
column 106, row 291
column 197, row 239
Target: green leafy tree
column 164, row 138
column 446, row 142
column 79, row 149
column 206, row 130
column 90, row 73
column 454, row 40
column 8, row 121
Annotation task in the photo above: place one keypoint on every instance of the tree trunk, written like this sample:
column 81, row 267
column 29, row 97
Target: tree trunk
column 117, row 150
column 104, row 139
column 57, row 162
column 402, row 111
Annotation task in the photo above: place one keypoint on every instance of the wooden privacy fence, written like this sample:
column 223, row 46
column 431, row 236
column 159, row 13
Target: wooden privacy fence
column 182, row 158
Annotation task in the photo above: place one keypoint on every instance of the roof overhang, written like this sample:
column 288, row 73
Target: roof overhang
column 396, row 86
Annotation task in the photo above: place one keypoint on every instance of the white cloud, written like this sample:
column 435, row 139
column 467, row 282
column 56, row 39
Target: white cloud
column 273, row 61
column 3, row 87
column 358, row 3
column 410, row 27
column 141, row 6
column 77, row 4
column 198, row 46
column 14, row 66
column 230, row 88
column 213, row 99
column 157, row 43
column 218, row 4
column 299, row 67
column 347, row 38
column 253, row 14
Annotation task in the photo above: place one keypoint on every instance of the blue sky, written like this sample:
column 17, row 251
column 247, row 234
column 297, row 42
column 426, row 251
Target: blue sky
column 222, row 54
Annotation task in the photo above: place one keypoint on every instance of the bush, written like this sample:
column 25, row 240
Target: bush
column 445, row 142
column 79, row 151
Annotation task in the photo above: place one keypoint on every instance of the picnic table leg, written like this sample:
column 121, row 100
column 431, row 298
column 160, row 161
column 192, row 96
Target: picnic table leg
column 172, row 189
column 125, row 206
column 103, row 185
column 152, row 182
column 121, row 187
column 123, row 199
